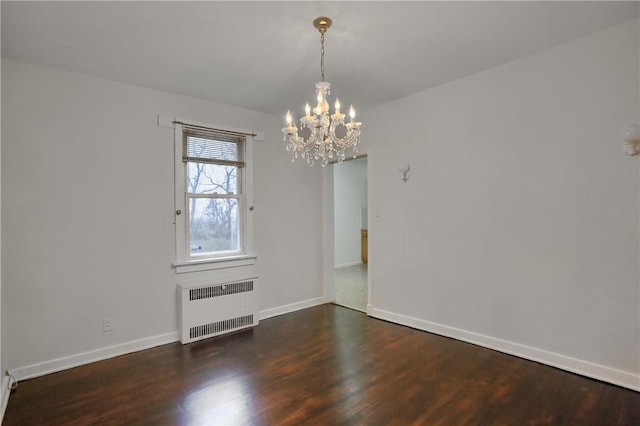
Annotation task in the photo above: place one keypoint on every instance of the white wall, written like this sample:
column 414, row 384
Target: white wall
column 4, row 392
column 350, row 196
column 519, row 227
column 87, row 212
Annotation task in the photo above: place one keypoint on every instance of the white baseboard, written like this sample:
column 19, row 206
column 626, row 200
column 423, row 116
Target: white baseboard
column 281, row 310
column 600, row 372
column 346, row 265
column 4, row 394
column 64, row 363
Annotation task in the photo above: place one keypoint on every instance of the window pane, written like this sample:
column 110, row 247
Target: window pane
column 214, row 225
column 205, row 178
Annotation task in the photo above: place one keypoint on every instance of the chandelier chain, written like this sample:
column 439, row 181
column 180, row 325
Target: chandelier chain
column 322, row 55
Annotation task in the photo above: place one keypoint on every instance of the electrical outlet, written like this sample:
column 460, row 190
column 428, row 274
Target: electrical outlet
column 107, row 325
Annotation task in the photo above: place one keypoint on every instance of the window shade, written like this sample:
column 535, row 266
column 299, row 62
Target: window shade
column 212, row 146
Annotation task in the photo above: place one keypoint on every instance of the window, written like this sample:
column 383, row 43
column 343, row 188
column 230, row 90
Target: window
column 212, row 182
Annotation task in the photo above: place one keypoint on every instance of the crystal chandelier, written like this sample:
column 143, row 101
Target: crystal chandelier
column 324, row 136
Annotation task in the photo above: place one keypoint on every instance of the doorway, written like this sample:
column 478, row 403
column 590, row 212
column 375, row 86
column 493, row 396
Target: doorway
column 351, row 233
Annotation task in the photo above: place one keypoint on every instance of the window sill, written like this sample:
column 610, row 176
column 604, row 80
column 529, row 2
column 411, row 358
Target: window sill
column 216, row 263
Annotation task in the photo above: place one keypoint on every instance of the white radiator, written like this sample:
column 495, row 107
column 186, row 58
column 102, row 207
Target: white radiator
column 212, row 309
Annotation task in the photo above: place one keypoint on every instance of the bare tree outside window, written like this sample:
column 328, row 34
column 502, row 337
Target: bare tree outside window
column 213, row 199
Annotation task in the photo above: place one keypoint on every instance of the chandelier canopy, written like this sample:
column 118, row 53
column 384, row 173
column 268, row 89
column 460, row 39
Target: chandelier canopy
column 322, row 137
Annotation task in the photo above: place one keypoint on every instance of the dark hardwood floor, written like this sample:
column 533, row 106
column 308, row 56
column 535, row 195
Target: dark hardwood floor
column 325, row 365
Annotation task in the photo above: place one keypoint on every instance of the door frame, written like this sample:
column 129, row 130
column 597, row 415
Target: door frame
column 328, row 234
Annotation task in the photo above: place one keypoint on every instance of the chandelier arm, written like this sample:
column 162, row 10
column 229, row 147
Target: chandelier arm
column 348, row 140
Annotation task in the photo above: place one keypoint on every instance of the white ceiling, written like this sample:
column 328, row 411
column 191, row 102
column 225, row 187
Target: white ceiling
column 265, row 55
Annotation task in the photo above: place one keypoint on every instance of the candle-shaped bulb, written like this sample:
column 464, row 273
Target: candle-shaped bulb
column 325, row 106
column 352, row 113
column 288, row 118
column 337, row 106
column 320, row 97
column 307, row 109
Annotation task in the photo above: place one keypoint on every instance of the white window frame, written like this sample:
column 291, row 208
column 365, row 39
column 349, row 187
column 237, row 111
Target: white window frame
column 185, row 262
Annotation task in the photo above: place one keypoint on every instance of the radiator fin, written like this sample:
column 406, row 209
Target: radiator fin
column 220, row 290
column 220, row 326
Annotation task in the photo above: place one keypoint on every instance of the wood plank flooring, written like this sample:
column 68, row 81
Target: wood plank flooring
column 325, row 365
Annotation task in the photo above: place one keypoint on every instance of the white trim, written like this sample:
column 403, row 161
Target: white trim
column 5, row 396
column 328, row 231
column 328, row 225
column 64, row 363
column 179, row 220
column 347, row 265
column 292, row 307
column 245, row 202
column 600, row 372
column 215, row 263
column 371, row 226
column 247, row 199
column 169, row 121
column 217, row 127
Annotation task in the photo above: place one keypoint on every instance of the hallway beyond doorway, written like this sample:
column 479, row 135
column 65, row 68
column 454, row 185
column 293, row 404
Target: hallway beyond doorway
column 351, row 287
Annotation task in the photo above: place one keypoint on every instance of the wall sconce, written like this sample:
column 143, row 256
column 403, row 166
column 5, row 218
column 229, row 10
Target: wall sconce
column 403, row 169
column 632, row 140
